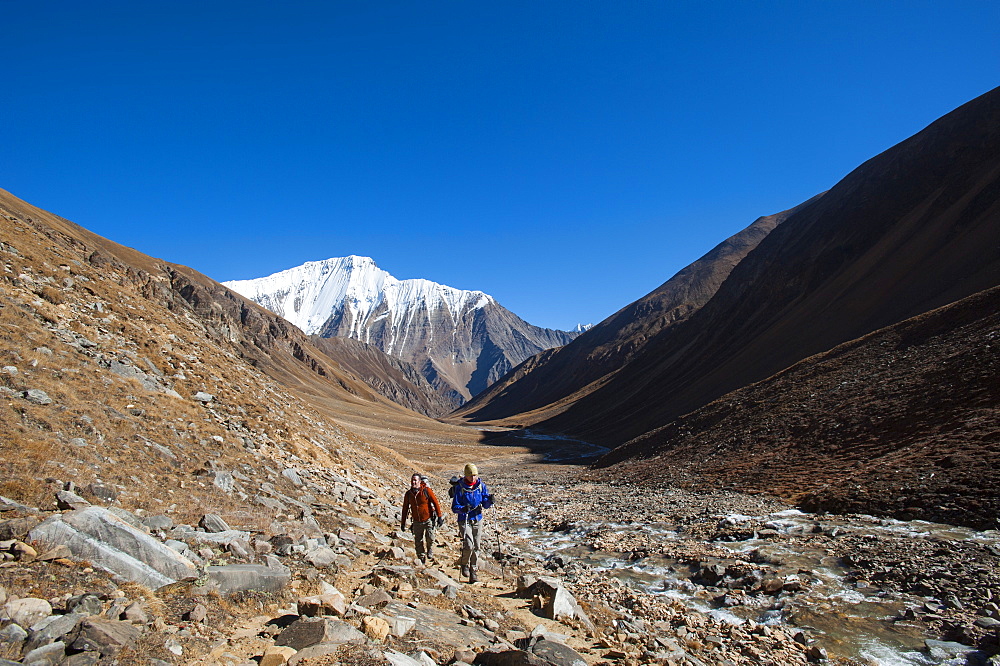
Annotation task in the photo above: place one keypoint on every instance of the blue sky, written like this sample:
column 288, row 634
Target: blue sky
column 565, row 157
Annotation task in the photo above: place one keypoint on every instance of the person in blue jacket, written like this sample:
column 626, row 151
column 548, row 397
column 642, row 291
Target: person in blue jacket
column 471, row 497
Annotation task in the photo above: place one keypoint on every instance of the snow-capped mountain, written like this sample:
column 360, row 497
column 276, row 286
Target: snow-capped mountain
column 460, row 338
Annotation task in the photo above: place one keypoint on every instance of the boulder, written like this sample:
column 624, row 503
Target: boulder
column 376, row 599
column 37, row 396
column 67, row 500
column 330, row 603
column 509, row 658
column 46, row 655
column 276, row 655
column 376, row 628
column 557, row 653
column 52, row 629
column 308, row 631
column 96, row 535
column 235, row 578
column 211, row 522
column 27, row 612
column 321, row 557
column 17, row 528
column 12, row 633
column 160, row 522
column 106, row 636
column 87, row 604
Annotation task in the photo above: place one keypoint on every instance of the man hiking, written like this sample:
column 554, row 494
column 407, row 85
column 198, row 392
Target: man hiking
column 470, row 498
column 426, row 510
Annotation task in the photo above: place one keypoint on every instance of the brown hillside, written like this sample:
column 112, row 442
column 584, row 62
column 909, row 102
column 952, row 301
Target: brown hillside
column 902, row 422
column 391, row 377
column 121, row 342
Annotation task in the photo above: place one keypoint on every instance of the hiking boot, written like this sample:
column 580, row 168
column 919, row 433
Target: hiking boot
column 422, row 558
column 472, row 576
column 465, row 570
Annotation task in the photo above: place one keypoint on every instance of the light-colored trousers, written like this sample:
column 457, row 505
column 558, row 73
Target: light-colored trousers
column 468, row 530
column 423, row 537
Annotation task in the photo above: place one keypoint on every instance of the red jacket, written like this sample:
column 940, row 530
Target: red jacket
column 423, row 502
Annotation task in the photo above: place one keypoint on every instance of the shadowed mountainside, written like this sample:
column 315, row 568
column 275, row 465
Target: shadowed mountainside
column 397, row 380
column 555, row 377
column 904, row 422
column 910, row 230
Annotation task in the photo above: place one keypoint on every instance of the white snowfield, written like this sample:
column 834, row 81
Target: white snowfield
column 308, row 295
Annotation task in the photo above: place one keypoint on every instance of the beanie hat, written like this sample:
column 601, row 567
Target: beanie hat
column 471, row 469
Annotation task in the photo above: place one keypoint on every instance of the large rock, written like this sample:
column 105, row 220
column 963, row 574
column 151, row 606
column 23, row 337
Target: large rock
column 437, row 625
column 52, row 629
column 559, row 603
column 212, row 522
column 308, row 631
column 96, row 535
column 557, row 653
column 46, row 655
column 27, row 612
column 509, row 658
column 330, row 603
column 106, row 636
column 240, row 577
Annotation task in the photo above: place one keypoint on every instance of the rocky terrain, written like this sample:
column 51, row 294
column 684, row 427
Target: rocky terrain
column 577, row 572
column 187, row 479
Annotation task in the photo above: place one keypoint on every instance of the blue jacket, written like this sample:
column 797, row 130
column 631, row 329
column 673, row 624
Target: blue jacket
column 469, row 502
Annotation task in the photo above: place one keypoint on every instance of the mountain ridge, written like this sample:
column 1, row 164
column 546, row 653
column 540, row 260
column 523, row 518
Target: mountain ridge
column 460, row 340
column 909, row 230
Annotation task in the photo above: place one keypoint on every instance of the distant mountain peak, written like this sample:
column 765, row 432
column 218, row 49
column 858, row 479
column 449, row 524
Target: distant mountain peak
column 306, row 295
column 457, row 337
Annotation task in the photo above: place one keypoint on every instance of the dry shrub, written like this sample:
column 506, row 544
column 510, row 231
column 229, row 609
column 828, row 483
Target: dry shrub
column 51, row 294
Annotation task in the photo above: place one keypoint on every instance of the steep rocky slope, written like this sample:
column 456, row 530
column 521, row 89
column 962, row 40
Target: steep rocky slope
column 544, row 384
column 460, row 340
column 397, row 380
column 121, row 342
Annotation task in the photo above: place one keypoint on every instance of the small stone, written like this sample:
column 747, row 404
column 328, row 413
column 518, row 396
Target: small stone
column 375, row 628
column 203, row 397
column 277, row 655
column 70, row 501
column 197, row 614
column 37, row 396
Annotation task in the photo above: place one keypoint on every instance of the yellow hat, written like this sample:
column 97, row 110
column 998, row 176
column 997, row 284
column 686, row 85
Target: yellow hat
column 471, row 470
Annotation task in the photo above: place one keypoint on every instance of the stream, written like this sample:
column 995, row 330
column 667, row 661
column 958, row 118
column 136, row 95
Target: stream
column 849, row 618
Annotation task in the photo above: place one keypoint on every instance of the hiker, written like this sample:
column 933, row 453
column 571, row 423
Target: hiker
column 468, row 501
column 426, row 512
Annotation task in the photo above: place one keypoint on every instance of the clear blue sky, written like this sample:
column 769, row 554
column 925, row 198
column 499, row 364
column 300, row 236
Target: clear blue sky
column 565, row 157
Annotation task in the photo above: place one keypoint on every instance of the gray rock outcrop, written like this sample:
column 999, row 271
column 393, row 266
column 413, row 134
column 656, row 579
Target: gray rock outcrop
column 98, row 536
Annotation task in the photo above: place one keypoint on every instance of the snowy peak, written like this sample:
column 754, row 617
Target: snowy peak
column 309, row 294
column 459, row 339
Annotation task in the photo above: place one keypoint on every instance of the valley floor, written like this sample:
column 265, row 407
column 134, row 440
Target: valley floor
column 664, row 575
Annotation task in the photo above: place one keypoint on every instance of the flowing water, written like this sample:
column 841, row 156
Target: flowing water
column 849, row 620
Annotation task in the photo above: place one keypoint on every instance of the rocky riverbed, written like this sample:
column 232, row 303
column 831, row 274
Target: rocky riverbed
column 729, row 577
